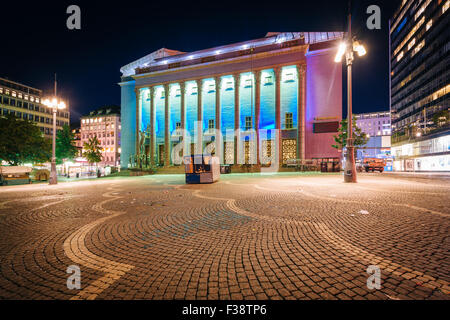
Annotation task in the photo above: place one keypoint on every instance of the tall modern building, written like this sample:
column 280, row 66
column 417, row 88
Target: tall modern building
column 278, row 96
column 420, row 85
column 104, row 124
column 25, row 102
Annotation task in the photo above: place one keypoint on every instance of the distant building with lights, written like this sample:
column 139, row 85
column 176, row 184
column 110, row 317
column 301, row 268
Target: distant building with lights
column 420, row 85
column 106, row 126
column 286, row 81
column 25, row 102
column 377, row 125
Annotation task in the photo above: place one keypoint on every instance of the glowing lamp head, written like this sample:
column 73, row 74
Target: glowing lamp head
column 418, row 134
column 359, row 48
column 341, row 52
column 61, row 105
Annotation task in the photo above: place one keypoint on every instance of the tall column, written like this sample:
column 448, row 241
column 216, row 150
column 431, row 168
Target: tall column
column 237, row 83
column 219, row 143
column 138, row 119
column 166, row 126
column 257, row 111
column 277, row 72
column 152, row 125
column 183, row 116
column 199, row 145
column 301, row 73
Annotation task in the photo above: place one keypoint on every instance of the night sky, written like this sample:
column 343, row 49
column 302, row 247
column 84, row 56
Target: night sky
column 36, row 42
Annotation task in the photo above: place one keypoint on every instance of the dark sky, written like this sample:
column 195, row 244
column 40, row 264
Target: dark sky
column 36, row 42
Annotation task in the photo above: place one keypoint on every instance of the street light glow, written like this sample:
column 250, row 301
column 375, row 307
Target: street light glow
column 341, row 52
column 359, row 48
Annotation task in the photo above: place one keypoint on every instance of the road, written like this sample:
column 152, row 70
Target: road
column 283, row 236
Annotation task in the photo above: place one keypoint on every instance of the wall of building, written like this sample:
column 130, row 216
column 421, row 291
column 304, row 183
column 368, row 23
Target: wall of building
column 323, row 100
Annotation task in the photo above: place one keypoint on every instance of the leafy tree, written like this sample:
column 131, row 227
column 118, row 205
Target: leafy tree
column 65, row 148
column 93, row 149
column 360, row 138
column 21, row 142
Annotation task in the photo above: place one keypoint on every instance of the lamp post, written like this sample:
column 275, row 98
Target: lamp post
column 55, row 105
column 346, row 48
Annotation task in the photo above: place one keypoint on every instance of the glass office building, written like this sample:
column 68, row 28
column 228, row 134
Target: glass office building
column 420, row 86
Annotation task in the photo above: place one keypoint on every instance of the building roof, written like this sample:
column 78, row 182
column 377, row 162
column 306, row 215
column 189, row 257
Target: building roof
column 164, row 56
column 104, row 111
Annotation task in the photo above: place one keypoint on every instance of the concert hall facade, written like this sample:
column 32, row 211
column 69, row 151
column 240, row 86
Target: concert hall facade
column 274, row 98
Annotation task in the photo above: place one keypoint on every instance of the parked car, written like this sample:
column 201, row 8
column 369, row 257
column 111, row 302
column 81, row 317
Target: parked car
column 374, row 164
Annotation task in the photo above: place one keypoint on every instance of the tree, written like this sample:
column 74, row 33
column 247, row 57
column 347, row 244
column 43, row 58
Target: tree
column 93, row 152
column 360, row 138
column 21, row 142
column 65, row 148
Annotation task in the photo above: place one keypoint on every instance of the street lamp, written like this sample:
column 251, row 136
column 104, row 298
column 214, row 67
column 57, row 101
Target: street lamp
column 347, row 48
column 55, row 105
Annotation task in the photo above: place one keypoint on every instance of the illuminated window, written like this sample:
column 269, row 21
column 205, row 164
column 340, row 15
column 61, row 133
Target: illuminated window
column 418, row 47
column 211, row 124
column 289, row 120
column 7, row 91
column 20, row 95
column 31, row 98
column 445, row 7
column 1, row 90
column 248, row 123
column 429, row 24
column 268, row 80
column 410, row 34
column 26, row 97
column 413, row 41
column 400, row 56
column 422, row 9
column 289, row 77
column 228, row 85
column 178, row 125
column 14, row 94
column 37, row 100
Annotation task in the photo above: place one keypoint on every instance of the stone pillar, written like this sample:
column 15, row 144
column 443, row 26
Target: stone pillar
column 183, row 115
column 199, row 141
column 277, row 72
column 257, row 111
column 166, row 126
column 301, row 98
column 219, row 142
column 152, row 125
column 237, row 83
column 138, row 119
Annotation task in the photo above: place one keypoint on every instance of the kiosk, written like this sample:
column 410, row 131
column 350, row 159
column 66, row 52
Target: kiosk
column 201, row 169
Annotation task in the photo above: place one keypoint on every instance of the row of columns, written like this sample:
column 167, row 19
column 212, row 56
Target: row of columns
column 301, row 72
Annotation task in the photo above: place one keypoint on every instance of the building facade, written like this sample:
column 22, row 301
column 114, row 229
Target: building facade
column 25, row 102
column 420, row 85
column 377, row 125
column 278, row 97
column 106, row 126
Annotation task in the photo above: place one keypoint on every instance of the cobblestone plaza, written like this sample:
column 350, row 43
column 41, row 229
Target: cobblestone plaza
column 283, row 236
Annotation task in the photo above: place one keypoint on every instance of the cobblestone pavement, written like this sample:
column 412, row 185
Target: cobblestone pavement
column 284, row 236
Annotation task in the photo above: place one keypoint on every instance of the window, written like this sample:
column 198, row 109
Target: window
column 429, row 24
column 178, row 125
column 268, row 80
column 211, row 124
column 14, row 94
column 248, row 83
column 418, row 47
column 445, row 7
column 1, row 90
column 289, row 77
column 228, row 85
column 5, row 100
column 248, row 123
column 30, row 117
column 400, row 56
column 289, row 121
column 412, row 42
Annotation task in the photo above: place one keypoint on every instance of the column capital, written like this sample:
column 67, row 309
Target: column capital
column 199, row 82
column 182, row 86
column 301, row 69
column 166, row 86
column 277, row 71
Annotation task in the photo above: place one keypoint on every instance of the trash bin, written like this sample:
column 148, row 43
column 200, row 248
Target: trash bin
column 323, row 167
